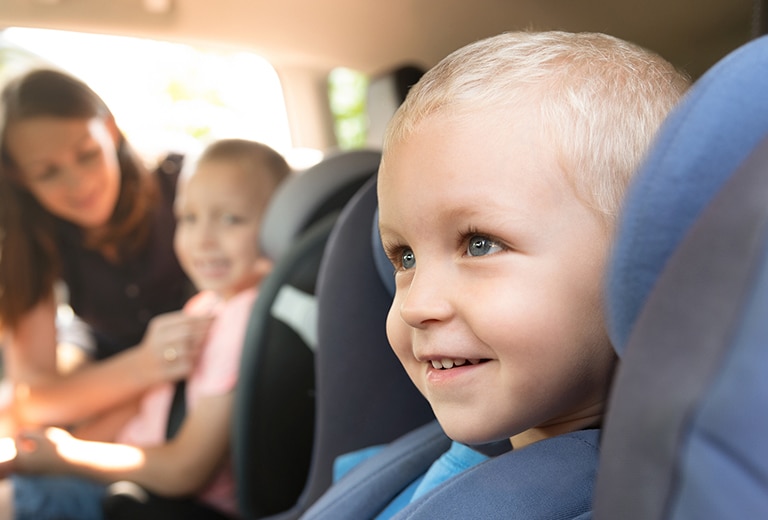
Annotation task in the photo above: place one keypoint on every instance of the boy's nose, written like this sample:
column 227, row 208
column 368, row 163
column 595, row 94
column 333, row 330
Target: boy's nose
column 427, row 299
column 206, row 235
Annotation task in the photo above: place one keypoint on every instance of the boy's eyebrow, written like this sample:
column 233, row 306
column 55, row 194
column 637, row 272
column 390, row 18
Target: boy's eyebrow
column 483, row 218
column 497, row 215
column 386, row 230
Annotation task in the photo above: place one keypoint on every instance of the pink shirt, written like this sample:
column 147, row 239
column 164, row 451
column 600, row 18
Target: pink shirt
column 215, row 374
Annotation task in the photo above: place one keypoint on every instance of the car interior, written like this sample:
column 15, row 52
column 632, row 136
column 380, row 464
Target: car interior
column 684, row 436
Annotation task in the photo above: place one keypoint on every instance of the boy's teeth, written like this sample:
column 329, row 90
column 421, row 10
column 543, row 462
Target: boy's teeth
column 448, row 363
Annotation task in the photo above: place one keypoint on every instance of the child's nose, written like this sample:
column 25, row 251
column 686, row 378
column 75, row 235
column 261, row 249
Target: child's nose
column 427, row 299
column 206, row 235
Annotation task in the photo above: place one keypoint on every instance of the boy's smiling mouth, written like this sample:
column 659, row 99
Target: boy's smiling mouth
column 448, row 363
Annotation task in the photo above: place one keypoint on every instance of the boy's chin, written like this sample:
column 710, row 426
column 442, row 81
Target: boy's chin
column 467, row 433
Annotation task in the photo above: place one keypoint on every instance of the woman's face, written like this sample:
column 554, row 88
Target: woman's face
column 69, row 165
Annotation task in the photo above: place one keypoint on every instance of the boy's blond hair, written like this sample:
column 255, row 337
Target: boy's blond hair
column 600, row 100
column 251, row 157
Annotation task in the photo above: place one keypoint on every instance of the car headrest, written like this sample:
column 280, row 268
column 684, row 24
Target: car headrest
column 307, row 196
column 386, row 91
column 705, row 138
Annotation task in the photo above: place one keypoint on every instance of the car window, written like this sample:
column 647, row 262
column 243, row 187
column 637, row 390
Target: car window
column 347, row 97
column 165, row 96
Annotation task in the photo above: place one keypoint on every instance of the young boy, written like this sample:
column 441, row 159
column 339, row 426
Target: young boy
column 219, row 210
column 501, row 179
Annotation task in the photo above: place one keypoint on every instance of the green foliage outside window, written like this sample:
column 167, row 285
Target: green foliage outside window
column 347, row 91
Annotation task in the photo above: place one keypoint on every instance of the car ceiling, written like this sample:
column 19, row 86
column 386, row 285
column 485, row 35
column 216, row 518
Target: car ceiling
column 375, row 36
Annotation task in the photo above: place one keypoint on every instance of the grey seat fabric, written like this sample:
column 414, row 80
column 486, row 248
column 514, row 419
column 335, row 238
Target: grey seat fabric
column 685, row 435
column 273, row 417
column 365, row 396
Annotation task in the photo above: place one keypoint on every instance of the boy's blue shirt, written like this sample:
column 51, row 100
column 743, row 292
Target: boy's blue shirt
column 457, row 459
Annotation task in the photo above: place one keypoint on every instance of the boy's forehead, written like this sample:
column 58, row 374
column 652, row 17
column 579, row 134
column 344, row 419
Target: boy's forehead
column 220, row 177
column 489, row 165
column 219, row 171
column 463, row 144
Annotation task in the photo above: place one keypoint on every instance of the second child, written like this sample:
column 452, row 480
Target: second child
column 219, row 211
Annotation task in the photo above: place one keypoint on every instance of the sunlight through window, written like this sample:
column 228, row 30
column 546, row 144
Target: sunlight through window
column 169, row 96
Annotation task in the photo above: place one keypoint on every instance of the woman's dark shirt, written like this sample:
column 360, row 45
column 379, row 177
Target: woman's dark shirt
column 118, row 300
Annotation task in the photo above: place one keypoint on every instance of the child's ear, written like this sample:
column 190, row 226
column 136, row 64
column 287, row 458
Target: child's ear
column 262, row 267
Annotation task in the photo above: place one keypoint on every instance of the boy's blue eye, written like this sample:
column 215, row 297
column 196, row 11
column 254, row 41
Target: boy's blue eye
column 480, row 245
column 407, row 259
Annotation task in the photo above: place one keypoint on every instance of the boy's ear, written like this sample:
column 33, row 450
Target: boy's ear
column 262, row 267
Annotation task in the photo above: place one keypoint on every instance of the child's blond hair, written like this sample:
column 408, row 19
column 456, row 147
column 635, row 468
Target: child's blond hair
column 253, row 158
column 600, row 100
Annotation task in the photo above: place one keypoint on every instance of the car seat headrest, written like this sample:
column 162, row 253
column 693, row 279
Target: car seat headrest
column 386, row 91
column 308, row 196
column 705, row 138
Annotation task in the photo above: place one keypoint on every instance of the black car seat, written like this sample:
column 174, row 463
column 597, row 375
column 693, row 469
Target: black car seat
column 273, row 426
column 686, row 435
column 273, row 415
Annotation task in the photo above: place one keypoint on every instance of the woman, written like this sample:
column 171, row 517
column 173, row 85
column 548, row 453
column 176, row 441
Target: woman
column 77, row 205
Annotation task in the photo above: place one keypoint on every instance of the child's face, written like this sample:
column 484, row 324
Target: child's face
column 69, row 165
column 498, row 275
column 217, row 228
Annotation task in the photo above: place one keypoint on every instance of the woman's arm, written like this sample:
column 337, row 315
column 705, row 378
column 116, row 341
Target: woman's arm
column 180, row 467
column 106, row 426
column 43, row 396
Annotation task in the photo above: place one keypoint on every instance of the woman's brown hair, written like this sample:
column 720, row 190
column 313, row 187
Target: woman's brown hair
column 29, row 259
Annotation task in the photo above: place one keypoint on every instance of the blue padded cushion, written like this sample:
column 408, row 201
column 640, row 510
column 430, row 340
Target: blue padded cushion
column 706, row 137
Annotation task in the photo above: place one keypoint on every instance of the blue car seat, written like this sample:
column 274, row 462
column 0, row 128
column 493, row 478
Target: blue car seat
column 686, row 435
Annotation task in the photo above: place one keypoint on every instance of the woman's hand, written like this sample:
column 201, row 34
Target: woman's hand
column 38, row 451
column 172, row 344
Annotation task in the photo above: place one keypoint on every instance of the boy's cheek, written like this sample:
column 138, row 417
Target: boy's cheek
column 398, row 333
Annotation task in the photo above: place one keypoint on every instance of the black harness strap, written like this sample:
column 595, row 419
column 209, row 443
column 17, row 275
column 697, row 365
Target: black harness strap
column 178, row 410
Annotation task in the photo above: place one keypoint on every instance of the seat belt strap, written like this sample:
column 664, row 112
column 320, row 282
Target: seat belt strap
column 177, row 411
